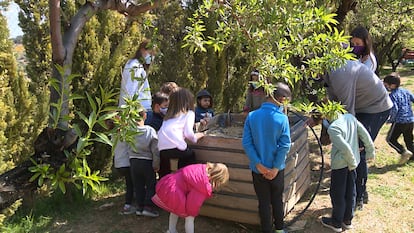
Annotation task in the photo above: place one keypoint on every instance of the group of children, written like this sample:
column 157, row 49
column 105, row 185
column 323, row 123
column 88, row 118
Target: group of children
column 164, row 129
column 162, row 136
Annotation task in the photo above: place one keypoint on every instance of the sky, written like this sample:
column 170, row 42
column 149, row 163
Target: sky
column 12, row 20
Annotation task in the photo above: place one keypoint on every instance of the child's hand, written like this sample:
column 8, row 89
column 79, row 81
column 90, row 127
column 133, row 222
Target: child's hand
column 271, row 174
column 262, row 169
column 199, row 135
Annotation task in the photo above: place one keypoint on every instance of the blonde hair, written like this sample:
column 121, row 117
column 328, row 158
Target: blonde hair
column 218, row 173
column 181, row 101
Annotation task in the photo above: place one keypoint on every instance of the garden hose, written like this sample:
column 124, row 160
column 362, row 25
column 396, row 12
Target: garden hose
column 289, row 223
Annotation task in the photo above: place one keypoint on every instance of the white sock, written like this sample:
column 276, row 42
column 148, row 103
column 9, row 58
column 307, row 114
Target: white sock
column 172, row 223
column 189, row 224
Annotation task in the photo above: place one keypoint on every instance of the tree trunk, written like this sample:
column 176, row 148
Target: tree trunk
column 343, row 9
column 63, row 45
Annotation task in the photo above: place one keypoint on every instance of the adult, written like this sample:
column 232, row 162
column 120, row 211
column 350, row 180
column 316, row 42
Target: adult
column 364, row 95
column 361, row 43
column 134, row 76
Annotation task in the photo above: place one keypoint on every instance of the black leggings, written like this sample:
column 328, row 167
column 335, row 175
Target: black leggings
column 185, row 158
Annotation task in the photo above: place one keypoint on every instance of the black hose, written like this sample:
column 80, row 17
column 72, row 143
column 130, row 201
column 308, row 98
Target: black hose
column 320, row 174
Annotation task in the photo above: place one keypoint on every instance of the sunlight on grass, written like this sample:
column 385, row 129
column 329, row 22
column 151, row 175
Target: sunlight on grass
column 386, row 192
column 28, row 224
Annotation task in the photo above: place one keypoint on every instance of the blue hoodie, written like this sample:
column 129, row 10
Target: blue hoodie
column 266, row 137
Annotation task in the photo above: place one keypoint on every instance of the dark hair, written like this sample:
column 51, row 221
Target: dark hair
column 282, row 90
column 204, row 94
column 393, row 78
column 363, row 34
column 158, row 98
column 181, row 101
column 145, row 44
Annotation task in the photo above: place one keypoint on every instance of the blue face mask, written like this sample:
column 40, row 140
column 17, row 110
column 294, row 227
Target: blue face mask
column 163, row 111
column 148, row 59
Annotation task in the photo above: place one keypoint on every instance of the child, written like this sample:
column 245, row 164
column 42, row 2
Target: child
column 168, row 87
column 255, row 96
column 204, row 111
column 177, row 126
column 345, row 131
column 401, row 117
column 159, row 109
column 145, row 161
column 183, row 192
column 266, row 141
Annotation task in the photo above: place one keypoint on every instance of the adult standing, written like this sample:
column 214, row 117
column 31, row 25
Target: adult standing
column 364, row 95
column 134, row 76
column 361, row 43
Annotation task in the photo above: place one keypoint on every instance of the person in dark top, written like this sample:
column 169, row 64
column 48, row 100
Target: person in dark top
column 159, row 109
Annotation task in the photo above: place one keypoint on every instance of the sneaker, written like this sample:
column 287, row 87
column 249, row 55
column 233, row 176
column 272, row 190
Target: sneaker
column 359, row 205
column 327, row 222
column 128, row 209
column 149, row 212
column 347, row 225
column 405, row 156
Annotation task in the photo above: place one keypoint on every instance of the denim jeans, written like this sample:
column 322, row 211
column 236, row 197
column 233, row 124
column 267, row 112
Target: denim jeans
column 270, row 196
column 342, row 192
column 372, row 123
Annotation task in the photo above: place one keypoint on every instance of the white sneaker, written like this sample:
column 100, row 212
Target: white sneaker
column 405, row 156
column 128, row 210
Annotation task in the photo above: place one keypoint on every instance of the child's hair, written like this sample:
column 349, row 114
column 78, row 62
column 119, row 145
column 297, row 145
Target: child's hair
column 393, row 78
column 204, row 93
column 168, row 87
column 159, row 98
column 218, row 174
column 282, row 90
column 363, row 34
column 181, row 101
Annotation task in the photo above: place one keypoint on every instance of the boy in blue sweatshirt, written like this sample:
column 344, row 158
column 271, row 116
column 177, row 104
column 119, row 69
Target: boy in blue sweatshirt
column 266, row 141
column 345, row 131
column 401, row 117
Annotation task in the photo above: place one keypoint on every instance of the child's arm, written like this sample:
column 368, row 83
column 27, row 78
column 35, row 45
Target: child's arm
column 155, row 152
column 188, row 128
column 366, row 139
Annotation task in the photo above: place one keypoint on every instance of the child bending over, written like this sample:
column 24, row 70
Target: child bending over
column 182, row 193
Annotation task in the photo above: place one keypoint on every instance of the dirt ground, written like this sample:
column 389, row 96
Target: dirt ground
column 382, row 214
column 104, row 217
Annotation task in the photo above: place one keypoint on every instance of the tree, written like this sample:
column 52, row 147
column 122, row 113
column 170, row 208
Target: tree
column 64, row 41
column 288, row 42
column 16, row 106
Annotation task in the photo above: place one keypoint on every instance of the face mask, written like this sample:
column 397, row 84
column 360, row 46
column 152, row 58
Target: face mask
column 148, row 59
column 163, row 111
column 358, row 50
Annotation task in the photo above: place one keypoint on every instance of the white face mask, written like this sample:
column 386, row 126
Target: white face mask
column 148, row 59
column 163, row 111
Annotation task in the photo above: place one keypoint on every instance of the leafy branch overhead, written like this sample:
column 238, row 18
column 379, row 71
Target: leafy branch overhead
column 289, row 42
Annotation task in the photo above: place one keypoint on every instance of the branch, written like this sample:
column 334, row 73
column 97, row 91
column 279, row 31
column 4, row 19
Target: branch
column 58, row 50
column 128, row 8
column 387, row 11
